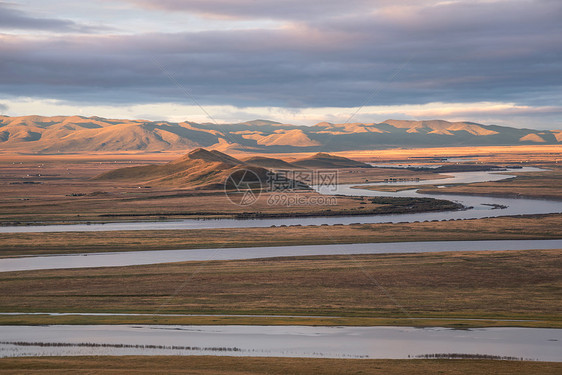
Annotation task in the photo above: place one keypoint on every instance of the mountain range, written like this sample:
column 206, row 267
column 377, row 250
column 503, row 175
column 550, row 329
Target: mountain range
column 65, row 134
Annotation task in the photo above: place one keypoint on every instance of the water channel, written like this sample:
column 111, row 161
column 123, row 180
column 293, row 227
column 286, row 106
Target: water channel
column 290, row 341
column 133, row 258
column 279, row 341
column 481, row 207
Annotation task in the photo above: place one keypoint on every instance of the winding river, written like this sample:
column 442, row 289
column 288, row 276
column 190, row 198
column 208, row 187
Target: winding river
column 481, row 207
column 279, row 341
column 290, row 341
column 134, row 258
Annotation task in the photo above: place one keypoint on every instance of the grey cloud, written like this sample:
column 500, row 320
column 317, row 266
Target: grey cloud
column 509, row 55
column 3, row 108
column 12, row 18
column 269, row 9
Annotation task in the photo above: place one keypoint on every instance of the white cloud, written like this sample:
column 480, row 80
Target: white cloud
column 485, row 112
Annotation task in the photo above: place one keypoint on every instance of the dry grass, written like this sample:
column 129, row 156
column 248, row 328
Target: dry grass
column 546, row 184
column 145, row 204
column 487, row 154
column 202, row 365
column 491, row 285
column 61, row 191
column 504, row 154
column 65, row 193
column 532, row 227
column 362, row 175
column 264, row 320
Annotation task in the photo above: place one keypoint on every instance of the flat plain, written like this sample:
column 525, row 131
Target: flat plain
column 500, row 228
column 451, row 289
column 400, row 289
column 283, row 366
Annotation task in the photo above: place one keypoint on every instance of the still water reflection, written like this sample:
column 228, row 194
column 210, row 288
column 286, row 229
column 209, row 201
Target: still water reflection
column 279, row 341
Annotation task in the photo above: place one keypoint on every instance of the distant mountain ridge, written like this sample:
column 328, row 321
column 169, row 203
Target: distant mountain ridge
column 64, row 134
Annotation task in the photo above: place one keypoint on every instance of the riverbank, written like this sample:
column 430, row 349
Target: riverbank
column 212, row 365
column 38, row 319
column 365, row 207
column 404, row 289
column 59, row 190
column 508, row 343
column 536, row 185
column 500, row 228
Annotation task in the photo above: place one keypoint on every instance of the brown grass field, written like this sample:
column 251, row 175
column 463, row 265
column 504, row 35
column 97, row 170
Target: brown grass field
column 541, row 185
column 57, row 188
column 432, row 289
column 529, row 154
column 201, row 365
column 528, row 227
column 544, row 184
column 398, row 288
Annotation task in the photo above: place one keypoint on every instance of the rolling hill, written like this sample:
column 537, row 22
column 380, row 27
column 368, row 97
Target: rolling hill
column 270, row 163
column 323, row 160
column 68, row 134
column 200, row 169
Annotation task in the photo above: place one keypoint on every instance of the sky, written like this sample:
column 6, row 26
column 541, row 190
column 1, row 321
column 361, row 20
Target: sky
column 300, row 62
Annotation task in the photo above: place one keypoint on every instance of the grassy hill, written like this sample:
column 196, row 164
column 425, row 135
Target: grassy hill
column 270, row 163
column 200, row 168
column 69, row 134
column 323, row 160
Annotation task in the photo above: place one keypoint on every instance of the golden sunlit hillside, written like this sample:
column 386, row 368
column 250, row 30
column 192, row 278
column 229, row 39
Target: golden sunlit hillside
column 59, row 134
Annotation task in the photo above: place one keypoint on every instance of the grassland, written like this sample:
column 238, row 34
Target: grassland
column 439, row 289
column 524, row 155
column 545, row 184
column 61, row 191
column 202, row 365
column 58, row 188
column 526, row 227
column 541, row 185
column 398, row 289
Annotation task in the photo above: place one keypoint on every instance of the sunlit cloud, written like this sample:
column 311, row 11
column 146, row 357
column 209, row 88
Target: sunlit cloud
column 292, row 61
column 174, row 112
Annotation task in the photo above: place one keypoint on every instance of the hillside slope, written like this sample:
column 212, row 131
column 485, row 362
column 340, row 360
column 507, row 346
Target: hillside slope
column 200, row 168
column 270, row 163
column 323, row 160
column 60, row 134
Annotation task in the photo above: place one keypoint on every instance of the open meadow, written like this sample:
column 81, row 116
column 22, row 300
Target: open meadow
column 274, row 366
column 288, row 187
column 447, row 289
column 400, row 289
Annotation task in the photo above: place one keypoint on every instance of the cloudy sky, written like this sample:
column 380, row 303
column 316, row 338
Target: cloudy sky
column 294, row 61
